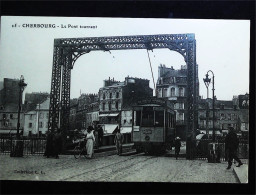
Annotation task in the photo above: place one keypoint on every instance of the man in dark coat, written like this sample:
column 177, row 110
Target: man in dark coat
column 177, row 145
column 57, row 143
column 49, row 145
column 231, row 145
column 100, row 135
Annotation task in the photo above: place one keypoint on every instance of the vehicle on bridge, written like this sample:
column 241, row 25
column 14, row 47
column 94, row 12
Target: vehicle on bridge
column 153, row 127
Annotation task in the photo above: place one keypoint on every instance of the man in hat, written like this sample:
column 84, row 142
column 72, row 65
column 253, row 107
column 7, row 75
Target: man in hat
column 118, row 140
column 177, row 145
column 231, row 145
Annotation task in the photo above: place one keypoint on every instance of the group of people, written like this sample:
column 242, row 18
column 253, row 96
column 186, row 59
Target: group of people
column 231, row 146
column 53, row 144
column 95, row 138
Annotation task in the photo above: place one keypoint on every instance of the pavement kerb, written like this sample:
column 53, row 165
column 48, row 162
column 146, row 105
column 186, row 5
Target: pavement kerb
column 238, row 175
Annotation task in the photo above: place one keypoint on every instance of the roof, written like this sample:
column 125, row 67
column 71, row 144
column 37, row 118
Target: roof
column 10, row 108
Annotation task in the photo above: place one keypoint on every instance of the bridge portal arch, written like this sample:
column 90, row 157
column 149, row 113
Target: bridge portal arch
column 68, row 50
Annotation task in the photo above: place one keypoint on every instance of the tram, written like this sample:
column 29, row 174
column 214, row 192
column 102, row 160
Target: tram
column 153, row 127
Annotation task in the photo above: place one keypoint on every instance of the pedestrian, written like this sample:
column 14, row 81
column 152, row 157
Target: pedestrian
column 57, row 143
column 177, row 145
column 96, row 135
column 231, row 145
column 100, row 135
column 118, row 140
column 90, row 139
column 49, row 145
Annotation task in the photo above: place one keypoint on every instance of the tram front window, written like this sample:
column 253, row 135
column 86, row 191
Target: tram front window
column 159, row 118
column 147, row 118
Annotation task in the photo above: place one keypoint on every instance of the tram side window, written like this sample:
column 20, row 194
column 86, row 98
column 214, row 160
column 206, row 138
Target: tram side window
column 147, row 118
column 138, row 118
column 159, row 118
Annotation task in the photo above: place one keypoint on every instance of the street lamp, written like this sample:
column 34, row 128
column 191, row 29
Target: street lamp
column 17, row 150
column 207, row 82
column 22, row 86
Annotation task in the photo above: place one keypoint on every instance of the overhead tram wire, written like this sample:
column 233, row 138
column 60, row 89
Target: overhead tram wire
column 152, row 72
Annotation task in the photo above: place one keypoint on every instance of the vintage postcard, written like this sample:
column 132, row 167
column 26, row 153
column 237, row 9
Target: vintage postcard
column 124, row 99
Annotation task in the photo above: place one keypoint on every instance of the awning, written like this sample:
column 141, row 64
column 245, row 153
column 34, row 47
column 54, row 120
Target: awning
column 103, row 115
column 109, row 115
column 126, row 129
column 109, row 128
column 217, row 132
column 9, row 131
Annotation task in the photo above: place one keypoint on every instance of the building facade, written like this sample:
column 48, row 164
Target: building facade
column 227, row 113
column 82, row 109
column 116, row 100
column 9, row 103
column 172, row 86
column 36, row 121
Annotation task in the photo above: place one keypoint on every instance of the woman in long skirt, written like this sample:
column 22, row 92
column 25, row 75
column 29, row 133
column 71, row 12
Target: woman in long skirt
column 90, row 141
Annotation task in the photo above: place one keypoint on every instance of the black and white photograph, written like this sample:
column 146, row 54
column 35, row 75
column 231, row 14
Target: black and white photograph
column 95, row 99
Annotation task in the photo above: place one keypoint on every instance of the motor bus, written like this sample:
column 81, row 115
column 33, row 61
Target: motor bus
column 153, row 127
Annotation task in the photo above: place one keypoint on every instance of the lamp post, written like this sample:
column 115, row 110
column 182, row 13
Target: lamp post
column 22, row 86
column 17, row 150
column 207, row 82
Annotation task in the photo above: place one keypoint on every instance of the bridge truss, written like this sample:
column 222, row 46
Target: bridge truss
column 68, row 50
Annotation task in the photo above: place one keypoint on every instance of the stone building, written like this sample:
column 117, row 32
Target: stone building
column 227, row 113
column 172, row 86
column 33, row 99
column 82, row 109
column 36, row 121
column 9, row 103
column 116, row 100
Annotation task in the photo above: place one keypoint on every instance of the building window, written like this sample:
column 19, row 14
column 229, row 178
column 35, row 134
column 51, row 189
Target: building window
column 165, row 93
column 41, row 115
column 159, row 94
column 117, row 94
column 104, row 96
column 109, row 106
column 41, row 125
column 4, row 116
column 103, row 106
column 11, row 116
column 181, row 92
column 172, row 92
column 124, row 121
column 222, row 116
column 117, row 105
column 30, row 125
column 181, row 116
column 30, row 133
column 31, row 116
column 180, row 105
column 110, row 95
column 40, row 133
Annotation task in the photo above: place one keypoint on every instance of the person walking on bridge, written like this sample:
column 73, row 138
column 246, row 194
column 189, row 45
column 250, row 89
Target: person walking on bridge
column 90, row 140
column 231, row 145
column 118, row 141
column 177, row 145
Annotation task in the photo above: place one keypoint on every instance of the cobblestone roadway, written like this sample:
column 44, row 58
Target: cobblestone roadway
column 114, row 168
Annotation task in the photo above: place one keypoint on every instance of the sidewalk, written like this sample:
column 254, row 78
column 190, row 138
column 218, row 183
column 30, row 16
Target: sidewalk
column 107, row 148
column 242, row 173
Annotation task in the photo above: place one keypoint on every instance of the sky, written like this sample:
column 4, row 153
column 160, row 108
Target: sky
column 221, row 46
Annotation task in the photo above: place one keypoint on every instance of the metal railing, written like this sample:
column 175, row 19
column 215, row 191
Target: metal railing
column 31, row 146
column 202, row 149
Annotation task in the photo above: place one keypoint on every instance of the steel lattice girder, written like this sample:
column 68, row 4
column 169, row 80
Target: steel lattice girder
column 68, row 50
